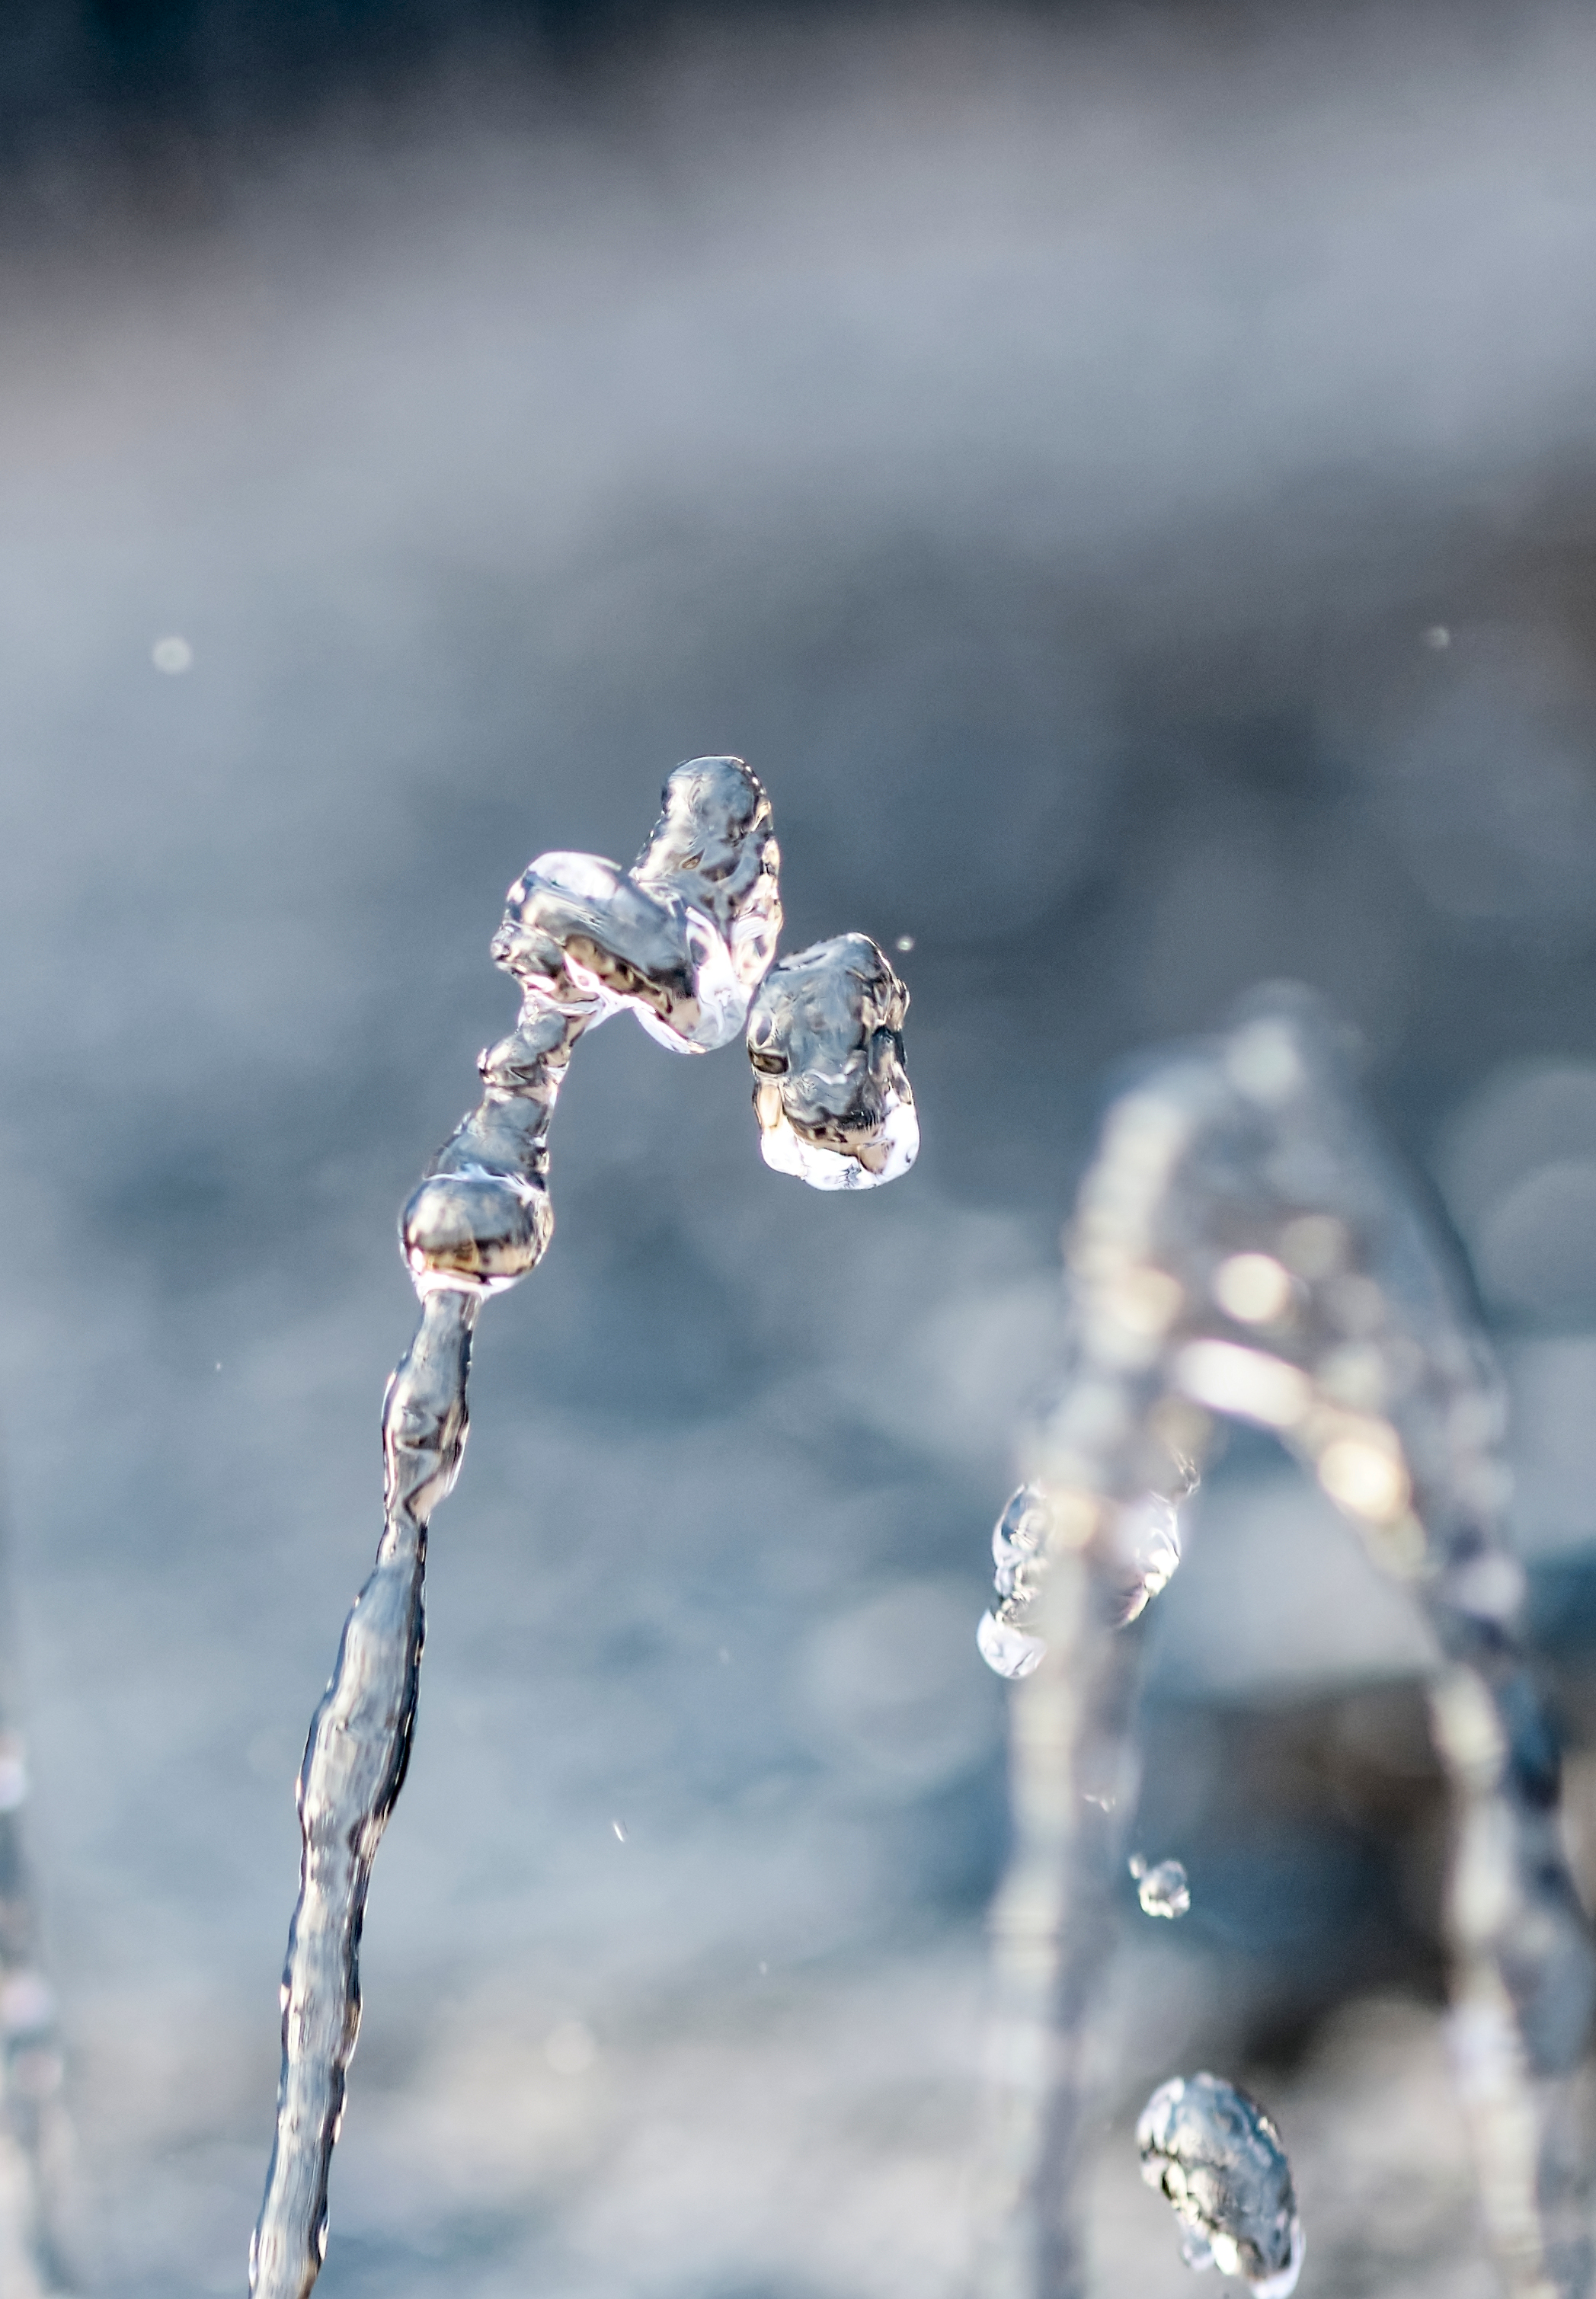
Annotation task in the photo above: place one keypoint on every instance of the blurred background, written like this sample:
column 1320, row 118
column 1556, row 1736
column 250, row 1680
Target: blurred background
column 1125, row 476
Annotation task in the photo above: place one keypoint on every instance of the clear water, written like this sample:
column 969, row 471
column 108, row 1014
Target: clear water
column 1212, row 2152
column 1163, row 1890
column 684, row 940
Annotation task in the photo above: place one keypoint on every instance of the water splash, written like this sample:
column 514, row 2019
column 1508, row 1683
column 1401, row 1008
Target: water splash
column 683, row 939
column 1245, row 1247
column 1216, row 2157
column 1163, row 1890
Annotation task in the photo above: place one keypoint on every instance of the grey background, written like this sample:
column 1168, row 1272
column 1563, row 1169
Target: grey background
column 1051, row 446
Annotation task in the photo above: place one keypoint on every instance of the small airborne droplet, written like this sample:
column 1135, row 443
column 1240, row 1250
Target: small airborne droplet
column 1438, row 638
column 621, row 1834
column 1163, row 1890
column 173, row 655
column 905, row 942
column 1216, row 2157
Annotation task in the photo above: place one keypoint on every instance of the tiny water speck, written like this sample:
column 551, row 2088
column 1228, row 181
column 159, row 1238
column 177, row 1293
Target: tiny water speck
column 621, row 1834
column 570, row 2048
column 905, row 942
column 1162, row 1891
column 724, row 1656
column 1438, row 638
column 173, row 655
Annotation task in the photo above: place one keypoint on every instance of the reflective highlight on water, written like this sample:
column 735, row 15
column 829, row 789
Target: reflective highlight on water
column 1162, row 1891
column 1217, row 2158
column 683, row 939
column 826, row 1040
column 1244, row 1246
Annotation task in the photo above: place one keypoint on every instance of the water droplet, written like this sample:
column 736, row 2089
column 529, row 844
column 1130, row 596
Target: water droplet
column 1218, row 2158
column 1011, row 1652
column 1162, row 1891
column 825, row 1034
column 1438, row 638
column 681, row 940
column 173, row 655
column 905, row 943
column 724, row 1656
column 571, row 2048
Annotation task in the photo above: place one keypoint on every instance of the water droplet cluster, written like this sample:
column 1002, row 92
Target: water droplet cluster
column 1216, row 2157
column 1244, row 1247
column 685, row 941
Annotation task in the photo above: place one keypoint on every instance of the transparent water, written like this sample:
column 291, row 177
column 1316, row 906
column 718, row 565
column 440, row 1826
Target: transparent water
column 1246, row 1247
column 683, row 939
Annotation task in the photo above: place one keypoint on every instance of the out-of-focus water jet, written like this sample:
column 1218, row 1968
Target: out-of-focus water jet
column 684, row 940
column 1162, row 1890
column 1244, row 1246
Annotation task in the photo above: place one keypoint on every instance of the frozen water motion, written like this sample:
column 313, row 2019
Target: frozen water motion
column 1216, row 2157
column 683, row 939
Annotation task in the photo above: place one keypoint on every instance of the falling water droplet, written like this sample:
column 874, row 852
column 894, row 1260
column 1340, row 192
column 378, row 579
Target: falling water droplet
column 1438, row 638
column 173, row 655
column 1162, row 1891
column 826, row 1036
column 1216, row 2157
column 905, row 943
column 621, row 1834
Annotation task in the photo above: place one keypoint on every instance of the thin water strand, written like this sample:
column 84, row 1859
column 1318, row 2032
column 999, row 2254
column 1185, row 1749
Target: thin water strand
column 682, row 940
column 1244, row 1247
column 826, row 1040
column 1217, row 2158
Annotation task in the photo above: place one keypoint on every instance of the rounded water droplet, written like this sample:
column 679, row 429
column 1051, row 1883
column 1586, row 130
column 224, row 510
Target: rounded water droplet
column 173, row 655
column 474, row 1231
column 1162, row 1891
column 1009, row 1650
column 1216, row 2156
